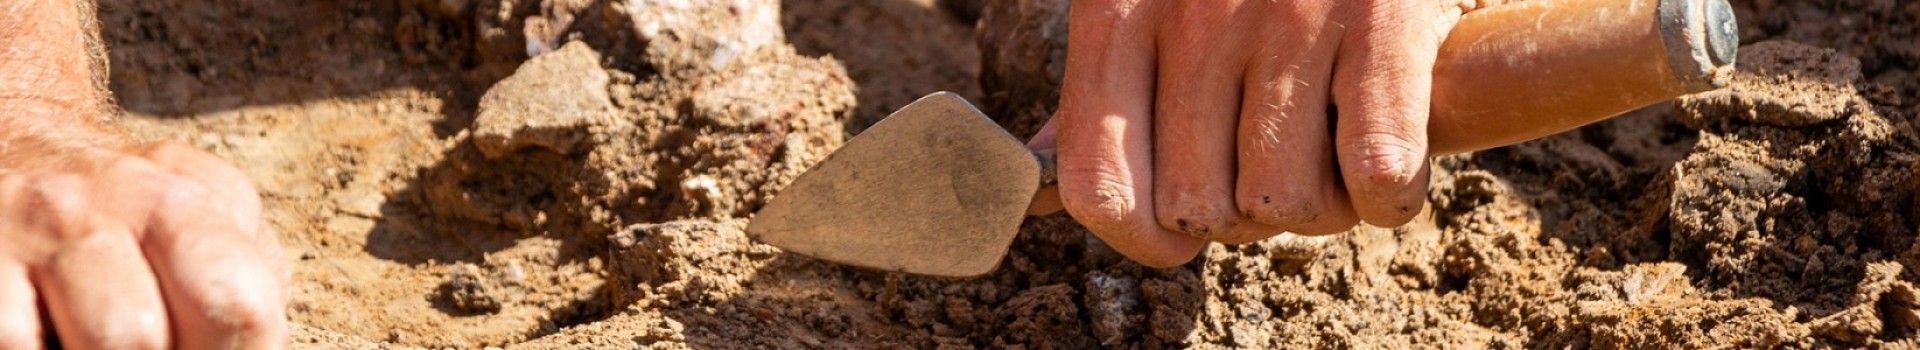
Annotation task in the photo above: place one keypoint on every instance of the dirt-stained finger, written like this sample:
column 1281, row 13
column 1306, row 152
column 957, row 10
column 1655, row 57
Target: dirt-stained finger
column 1105, row 134
column 1287, row 173
column 1383, row 80
column 1196, row 108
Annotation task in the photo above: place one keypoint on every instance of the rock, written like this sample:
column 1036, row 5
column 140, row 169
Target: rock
column 469, row 291
column 1722, row 194
column 704, row 34
column 548, row 103
column 1112, row 303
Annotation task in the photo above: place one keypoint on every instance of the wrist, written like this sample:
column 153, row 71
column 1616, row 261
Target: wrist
column 39, row 134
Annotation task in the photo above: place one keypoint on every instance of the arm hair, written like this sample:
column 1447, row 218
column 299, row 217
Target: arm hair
column 53, row 82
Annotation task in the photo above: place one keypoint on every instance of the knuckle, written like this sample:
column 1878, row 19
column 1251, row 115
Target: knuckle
column 1293, row 209
column 1097, row 201
column 58, row 192
column 1280, row 207
column 1188, row 213
column 1383, row 161
column 244, row 313
column 53, row 201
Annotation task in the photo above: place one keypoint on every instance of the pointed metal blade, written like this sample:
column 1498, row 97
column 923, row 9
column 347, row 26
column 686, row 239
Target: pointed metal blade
column 936, row 188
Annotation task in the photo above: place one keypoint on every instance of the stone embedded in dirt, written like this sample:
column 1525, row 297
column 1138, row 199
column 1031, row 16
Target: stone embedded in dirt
column 1112, row 304
column 548, row 103
column 1724, row 195
column 468, row 290
column 545, row 31
column 707, row 34
column 1784, row 83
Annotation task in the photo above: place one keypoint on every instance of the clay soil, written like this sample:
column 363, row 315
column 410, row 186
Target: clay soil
column 577, row 174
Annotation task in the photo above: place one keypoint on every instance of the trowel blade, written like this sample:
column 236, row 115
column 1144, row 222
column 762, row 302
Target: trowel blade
column 936, row 189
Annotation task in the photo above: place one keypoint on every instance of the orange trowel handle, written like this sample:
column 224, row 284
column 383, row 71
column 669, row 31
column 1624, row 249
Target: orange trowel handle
column 1517, row 72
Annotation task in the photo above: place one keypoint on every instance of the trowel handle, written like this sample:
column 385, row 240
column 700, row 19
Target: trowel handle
column 1511, row 73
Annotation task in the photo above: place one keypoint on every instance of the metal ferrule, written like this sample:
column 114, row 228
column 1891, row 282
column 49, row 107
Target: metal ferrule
column 1701, row 40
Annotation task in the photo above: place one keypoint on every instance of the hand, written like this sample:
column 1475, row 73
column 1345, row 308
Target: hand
column 1182, row 122
column 153, row 247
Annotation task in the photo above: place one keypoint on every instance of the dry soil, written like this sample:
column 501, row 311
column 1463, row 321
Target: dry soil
column 574, row 173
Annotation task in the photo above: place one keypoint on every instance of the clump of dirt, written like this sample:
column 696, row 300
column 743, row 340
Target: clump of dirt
column 1023, row 46
column 549, row 103
column 569, row 174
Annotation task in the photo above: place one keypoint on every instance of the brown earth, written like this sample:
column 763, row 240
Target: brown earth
column 572, row 173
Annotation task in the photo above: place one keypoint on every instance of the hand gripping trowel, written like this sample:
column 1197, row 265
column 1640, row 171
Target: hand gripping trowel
column 938, row 189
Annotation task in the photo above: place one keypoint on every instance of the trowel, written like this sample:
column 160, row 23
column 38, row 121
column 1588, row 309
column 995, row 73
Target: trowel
column 937, row 188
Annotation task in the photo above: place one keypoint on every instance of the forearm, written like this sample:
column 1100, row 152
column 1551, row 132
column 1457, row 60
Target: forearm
column 52, row 73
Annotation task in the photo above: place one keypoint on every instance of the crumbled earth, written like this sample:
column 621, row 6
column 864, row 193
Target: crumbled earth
column 578, row 174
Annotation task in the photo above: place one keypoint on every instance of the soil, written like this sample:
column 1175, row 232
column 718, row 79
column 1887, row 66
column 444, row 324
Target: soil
column 572, row 173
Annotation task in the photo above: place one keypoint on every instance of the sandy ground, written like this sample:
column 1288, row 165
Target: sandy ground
column 572, row 173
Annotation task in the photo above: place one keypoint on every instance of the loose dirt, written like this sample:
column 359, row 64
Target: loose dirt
column 571, row 173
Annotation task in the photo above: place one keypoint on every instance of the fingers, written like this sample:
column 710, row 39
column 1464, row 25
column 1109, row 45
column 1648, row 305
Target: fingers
column 223, row 292
column 223, row 276
column 99, row 240
column 1196, row 105
column 231, row 193
column 1286, row 176
column 1382, row 85
column 1105, row 132
column 101, row 294
column 94, row 284
column 19, row 314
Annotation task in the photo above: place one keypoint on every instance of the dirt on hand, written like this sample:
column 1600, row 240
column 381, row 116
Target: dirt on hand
column 578, row 174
